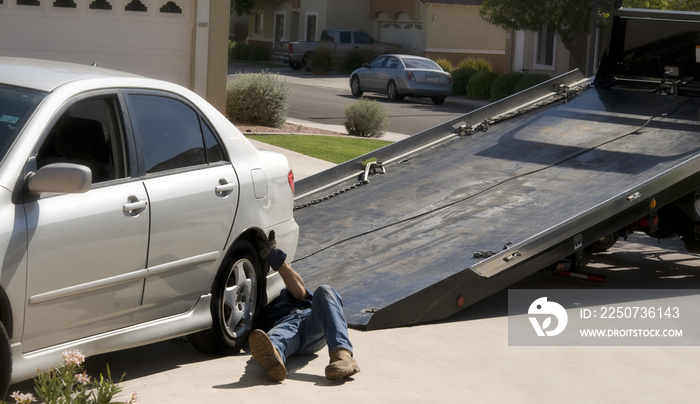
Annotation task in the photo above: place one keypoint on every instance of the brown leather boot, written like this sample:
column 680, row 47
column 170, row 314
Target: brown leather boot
column 266, row 354
column 342, row 365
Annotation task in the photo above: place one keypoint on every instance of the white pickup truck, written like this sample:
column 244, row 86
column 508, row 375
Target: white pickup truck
column 297, row 54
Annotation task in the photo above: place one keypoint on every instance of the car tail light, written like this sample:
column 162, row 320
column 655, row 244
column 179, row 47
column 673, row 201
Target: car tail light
column 449, row 78
column 290, row 178
column 409, row 76
column 291, row 48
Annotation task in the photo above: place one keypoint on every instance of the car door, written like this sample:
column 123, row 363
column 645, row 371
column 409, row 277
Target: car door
column 193, row 195
column 385, row 73
column 86, row 254
column 369, row 80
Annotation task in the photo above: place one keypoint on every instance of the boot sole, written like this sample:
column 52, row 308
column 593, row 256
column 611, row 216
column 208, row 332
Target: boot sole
column 267, row 356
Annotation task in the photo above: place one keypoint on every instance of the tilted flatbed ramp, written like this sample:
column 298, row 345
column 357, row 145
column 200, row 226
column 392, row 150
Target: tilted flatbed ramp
column 426, row 238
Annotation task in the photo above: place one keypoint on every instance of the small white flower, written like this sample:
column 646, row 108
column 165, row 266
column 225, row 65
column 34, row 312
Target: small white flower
column 73, row 357
column 23, row 398
column 82, row 378
column 134, row 399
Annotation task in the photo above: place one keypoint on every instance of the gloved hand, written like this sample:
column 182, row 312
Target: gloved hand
column 268, row 250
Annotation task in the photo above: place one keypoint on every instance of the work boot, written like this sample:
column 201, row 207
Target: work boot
column 342, row 365
column 267, row 356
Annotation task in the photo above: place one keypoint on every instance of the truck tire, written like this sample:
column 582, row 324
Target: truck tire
column 295, row 65
column 5, row 362
column 603, row 244
column 355, row 86
column 236, row 301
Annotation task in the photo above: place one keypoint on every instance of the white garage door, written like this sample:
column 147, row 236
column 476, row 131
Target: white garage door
column 149, row 37
column 407, row 34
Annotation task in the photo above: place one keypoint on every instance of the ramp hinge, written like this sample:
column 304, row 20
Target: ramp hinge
column 371, row 168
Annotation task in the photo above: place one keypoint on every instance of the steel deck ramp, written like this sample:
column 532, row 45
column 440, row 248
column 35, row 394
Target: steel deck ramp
column 462, row 217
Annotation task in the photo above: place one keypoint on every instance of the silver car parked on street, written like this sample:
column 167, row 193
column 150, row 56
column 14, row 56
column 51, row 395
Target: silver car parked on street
column 130, row 209
column 402, row 76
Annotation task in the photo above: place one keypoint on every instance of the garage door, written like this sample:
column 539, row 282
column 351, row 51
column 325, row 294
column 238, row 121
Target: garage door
column 148, row 37
column 407, row 34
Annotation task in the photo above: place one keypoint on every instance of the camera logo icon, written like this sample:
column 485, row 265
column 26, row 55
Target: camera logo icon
column 545, row 310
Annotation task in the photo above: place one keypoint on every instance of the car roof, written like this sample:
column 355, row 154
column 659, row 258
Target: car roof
column 46, row 75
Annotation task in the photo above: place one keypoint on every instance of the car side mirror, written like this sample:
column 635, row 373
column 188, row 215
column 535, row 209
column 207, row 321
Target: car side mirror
column 366, row 65
column 66, row 178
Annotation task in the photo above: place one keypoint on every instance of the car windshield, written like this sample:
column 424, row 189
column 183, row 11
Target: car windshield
column 16, row 106
column 421, row 64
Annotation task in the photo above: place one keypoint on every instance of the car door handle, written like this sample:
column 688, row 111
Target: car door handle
column 135, row 205
column 225, row 187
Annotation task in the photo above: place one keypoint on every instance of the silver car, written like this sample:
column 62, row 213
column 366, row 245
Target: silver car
column 131, row 209
column 402, row 76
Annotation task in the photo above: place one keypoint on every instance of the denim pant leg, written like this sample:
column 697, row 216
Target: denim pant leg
column 285, row 335
column 326, row 324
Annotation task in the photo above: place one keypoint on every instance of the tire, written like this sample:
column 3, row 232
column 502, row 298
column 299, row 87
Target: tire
column 294, row 65
column 355, row 86
column 392, row 92
column 5, row 362
column 236, row 303
column 438, row 100
column 603, row 244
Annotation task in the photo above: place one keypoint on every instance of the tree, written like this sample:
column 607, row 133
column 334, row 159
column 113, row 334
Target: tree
column 242, row 6
column 568, row 18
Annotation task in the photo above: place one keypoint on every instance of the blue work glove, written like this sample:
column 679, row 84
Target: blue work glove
column 269, row 252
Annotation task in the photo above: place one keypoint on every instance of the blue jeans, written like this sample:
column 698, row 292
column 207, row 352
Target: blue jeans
column 306, row 331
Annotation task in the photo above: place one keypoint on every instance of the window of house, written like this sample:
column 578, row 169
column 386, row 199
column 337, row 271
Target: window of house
column 545, row 48
column 258, row 23
column 311, row 26
column 279, row 27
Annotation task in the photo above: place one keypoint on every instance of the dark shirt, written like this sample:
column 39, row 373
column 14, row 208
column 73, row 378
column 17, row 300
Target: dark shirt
column 282, row 306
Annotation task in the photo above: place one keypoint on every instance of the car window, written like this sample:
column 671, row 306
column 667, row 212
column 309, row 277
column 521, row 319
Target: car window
column 392, row 63
column 215, row 152
column 421, row 64
column 362, row 38
column 16, row 106
column 345, row 37
column 168, row 131
column 87, row 133
column 378, row 62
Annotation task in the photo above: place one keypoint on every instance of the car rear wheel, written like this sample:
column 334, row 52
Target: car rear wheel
column 5, row 361
column 236, row 300
column 355, row 86
column 392, row 92
column 438, row 100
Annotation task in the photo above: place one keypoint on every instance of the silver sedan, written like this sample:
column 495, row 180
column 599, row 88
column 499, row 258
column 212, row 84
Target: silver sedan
column 130, row 210
column 402, row 76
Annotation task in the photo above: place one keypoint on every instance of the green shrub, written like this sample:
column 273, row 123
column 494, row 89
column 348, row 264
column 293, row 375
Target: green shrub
column 259, row 99
column 479, row 86
column 245, row 51
column 357, row 57
column 445, row 64
column 460, row 80
column 366, row 118
column 322, row 59
column 478, row 64
column 505, row 85
column 530, row 80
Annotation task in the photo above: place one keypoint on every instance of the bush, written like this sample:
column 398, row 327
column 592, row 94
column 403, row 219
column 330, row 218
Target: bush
column 478, row 64
column 445, row 64
column 259, row 99
column 244, row 51
column 460, row 80
column 322, row 59
column 505, row 85
column 530, row 80
column 357, row 57
column 366, row 118
column 479, row 86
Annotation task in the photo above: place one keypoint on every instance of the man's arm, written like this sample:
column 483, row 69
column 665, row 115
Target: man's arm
column 293, row 281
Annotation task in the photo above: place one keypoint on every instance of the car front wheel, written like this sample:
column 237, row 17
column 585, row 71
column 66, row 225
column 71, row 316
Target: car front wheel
column 236, row 300
column 355, row 86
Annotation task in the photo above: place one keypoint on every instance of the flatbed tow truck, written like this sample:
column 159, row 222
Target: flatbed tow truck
column 427, row 226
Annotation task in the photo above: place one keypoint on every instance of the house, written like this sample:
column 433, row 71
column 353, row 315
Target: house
column 450, row 29
column 183, row 41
